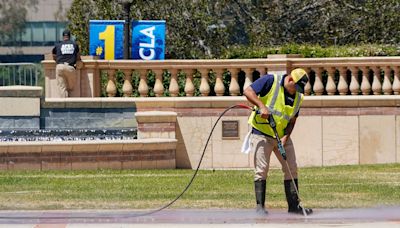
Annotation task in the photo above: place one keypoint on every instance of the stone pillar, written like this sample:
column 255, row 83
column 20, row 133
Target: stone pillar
column 386, row 86
column 219, row 87
column 111, row 88
column 234, row 88
column 204, row 86
column 248, row 77
column 158, row 86
column 87, row 83
column 396, row 81
column 342, row 85
column 173, row 85
column 365, row 85
column 376, row 83
column 89, row 77
column 189, row 87
column 127, row 88
column 318, row 85
column 307, row 88
column 143, row 87
column 49, row 68
column 354, row 85
column 330, row 85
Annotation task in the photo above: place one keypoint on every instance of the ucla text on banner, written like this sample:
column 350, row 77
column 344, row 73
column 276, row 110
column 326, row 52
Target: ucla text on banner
column 148, row 40
column 106, row 39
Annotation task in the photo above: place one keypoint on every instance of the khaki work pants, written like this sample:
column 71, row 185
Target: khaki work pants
column 262, row 146
column 66, row 78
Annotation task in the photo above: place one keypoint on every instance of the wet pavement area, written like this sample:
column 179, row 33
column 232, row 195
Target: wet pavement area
column 361, row 217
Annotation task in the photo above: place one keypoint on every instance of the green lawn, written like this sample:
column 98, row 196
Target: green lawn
column 329, row 187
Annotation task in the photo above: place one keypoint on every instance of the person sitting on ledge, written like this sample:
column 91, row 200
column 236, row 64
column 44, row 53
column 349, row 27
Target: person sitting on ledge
column 66, row 54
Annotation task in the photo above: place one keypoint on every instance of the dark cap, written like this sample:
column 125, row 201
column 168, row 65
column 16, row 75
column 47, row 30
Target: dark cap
column 66, row 33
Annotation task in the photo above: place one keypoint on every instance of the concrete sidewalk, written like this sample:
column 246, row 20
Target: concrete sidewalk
column 366, row 217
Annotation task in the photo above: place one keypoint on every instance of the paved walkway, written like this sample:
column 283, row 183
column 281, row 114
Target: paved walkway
column 370, row 217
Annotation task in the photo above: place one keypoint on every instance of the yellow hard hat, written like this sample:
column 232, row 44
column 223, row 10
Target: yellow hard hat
column 299, row 77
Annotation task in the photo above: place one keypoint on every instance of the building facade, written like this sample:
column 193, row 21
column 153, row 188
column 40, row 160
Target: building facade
column 43, row 28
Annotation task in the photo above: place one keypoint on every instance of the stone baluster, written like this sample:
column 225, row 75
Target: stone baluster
column 396, row 81
column 111, row 88
column 376, row 83
column 307, row 88
column 127, row 88
column 387, row 86
column 330, row 85
column 343, row 87
column 189, row 87
column 248, row 77
column 173, row 85
column 365, row 85
column 318, row 85
column 50, row 75
column 219, row 87
column 204, row 85
column 143, row 87
column 354, row 84
column 262, row 71
column 234, row 88
column 158, row 85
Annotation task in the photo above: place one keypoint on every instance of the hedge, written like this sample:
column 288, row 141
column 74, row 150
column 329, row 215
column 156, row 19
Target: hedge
column 312, row 51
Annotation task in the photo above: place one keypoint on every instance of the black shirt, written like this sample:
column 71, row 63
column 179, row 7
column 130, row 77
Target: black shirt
column 66, row 52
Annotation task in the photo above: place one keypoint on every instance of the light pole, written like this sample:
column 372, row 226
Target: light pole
column 126, row 4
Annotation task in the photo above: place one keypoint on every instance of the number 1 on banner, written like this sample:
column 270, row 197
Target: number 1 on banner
column 108, row 35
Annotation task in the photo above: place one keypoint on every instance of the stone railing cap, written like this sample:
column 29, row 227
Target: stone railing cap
column 20, row 91
column 283, row 56
column 352, row 101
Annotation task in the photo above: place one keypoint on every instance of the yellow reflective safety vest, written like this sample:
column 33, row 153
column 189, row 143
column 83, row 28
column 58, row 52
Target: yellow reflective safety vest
column 275, row 103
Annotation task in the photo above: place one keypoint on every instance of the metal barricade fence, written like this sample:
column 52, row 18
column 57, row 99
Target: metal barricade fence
column 19, row 74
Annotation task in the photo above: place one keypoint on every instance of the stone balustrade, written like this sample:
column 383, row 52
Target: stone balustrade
column 328, row 76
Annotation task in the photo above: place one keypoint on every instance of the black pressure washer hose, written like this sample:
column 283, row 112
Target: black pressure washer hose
column 280, row 147
column 198, row 166
column 149, row 212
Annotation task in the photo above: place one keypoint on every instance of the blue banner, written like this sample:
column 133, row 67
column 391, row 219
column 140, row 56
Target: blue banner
column 148, row 40
column 106, row 39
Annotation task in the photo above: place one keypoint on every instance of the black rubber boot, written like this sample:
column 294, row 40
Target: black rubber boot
column 259, row 187
column 293, row 199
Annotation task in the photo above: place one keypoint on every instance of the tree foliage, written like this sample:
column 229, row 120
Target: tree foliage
column 206, row 29
column 13, row 16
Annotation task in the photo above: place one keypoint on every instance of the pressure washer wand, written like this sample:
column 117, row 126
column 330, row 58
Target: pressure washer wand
column 280, row 146
column 283, row 153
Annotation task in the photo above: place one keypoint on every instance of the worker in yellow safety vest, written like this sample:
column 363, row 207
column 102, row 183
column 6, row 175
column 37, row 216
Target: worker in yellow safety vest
column 281, row 97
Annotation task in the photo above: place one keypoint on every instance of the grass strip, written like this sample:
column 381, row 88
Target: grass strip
column 326, row 187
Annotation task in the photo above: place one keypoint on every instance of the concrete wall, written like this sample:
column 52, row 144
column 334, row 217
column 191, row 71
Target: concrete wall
column 331, row 130
column 20, row 107
column 339, row 130
column 46, row 10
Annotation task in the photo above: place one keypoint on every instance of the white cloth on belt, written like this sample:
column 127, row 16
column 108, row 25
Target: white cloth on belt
column 246, row 143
